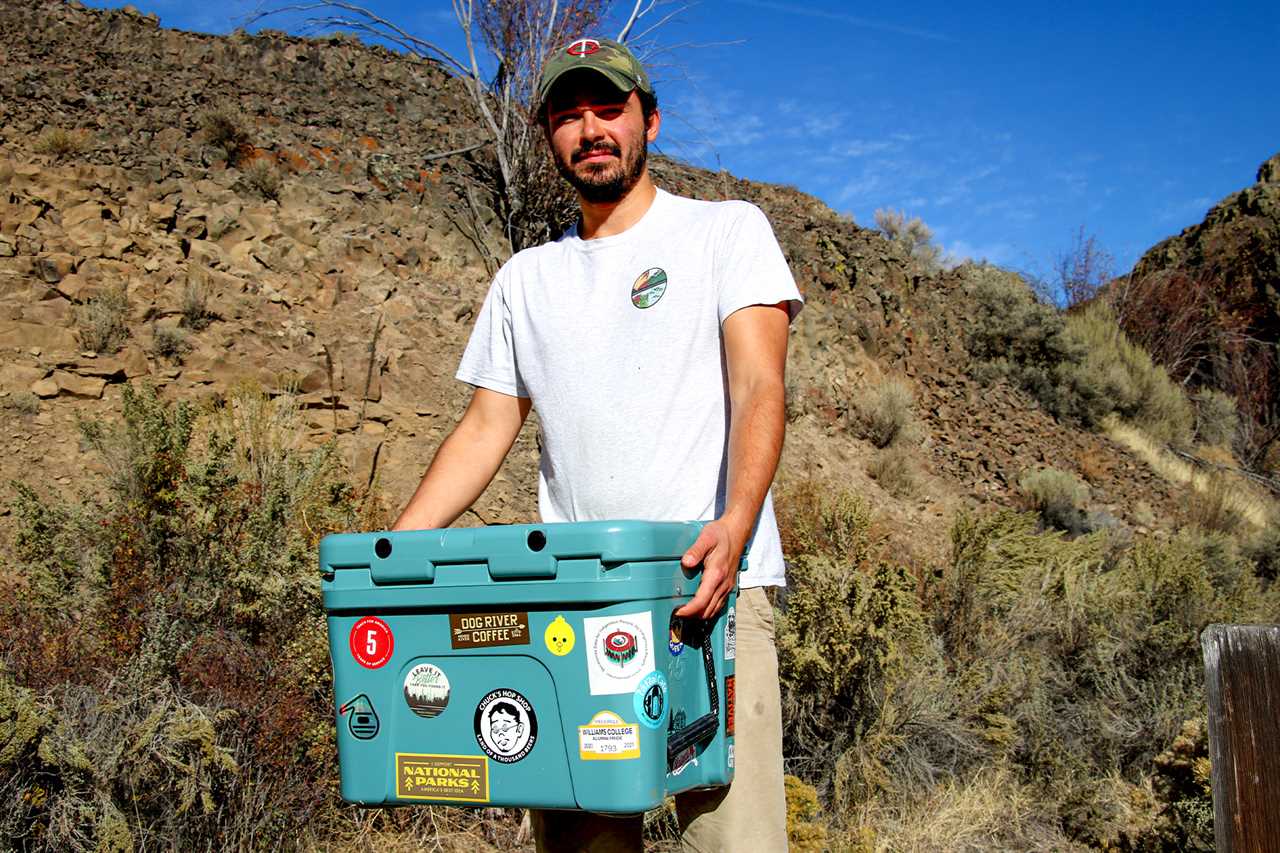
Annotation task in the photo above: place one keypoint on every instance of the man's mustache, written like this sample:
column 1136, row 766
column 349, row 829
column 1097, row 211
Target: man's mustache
column 588, row 150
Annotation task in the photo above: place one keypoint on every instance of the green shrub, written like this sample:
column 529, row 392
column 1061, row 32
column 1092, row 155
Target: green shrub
column 1130, row 383
column 170, row 342
column 848, row 619
column 912, row 237
column 172, row 639
column 1059, row 497
column 223, row 129
column 23, row 403
column 882, row 413
column 102, row 323
column 264, row 179
column 1217, row 419
column 1081, row 368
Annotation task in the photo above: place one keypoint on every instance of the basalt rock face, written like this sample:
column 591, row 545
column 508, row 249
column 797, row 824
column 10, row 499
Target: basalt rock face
column 326, row 253
column 1227, row 269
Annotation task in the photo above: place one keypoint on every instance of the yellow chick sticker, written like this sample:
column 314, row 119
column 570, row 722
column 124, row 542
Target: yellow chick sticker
column 559, row 637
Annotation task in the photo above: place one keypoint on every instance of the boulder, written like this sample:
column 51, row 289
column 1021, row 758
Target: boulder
column 74, row 385
column 21, row 335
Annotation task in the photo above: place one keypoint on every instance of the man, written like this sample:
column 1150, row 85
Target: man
column 652, row 340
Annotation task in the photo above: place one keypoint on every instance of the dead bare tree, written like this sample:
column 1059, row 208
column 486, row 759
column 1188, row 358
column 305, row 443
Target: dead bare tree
column 506, row 44
column 1083, row 270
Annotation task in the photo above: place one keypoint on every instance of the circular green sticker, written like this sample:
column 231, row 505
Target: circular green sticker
column 649, row 287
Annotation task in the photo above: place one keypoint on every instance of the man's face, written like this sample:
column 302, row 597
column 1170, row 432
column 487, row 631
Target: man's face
column 505, row 730
column 598, row 136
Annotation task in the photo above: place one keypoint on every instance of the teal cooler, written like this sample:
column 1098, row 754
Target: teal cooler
column 526, row 665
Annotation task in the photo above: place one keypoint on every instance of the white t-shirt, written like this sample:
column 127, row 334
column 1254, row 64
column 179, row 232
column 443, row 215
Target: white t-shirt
column 618, row 342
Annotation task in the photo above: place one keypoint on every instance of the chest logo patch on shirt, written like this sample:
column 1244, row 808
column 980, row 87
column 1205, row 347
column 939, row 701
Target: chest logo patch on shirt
column 649, row 287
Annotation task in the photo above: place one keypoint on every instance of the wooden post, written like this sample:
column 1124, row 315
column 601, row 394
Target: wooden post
column 1242, row 682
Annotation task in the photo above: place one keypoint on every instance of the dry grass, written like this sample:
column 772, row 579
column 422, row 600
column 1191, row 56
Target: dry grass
column 102, row 323
column 882, row 412
column 894, row 468
column 1229, row 493
column 60, row 144
column 989, row 811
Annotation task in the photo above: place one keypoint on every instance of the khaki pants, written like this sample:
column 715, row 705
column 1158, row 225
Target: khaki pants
column 749, row 815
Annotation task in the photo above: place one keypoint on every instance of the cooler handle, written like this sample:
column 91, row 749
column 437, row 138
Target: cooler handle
column 706, row 725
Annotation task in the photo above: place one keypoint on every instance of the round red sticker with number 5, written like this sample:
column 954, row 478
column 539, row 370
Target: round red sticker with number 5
column 371, row 642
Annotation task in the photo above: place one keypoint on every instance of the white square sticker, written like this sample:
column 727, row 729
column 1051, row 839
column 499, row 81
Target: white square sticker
column 730, row 635
column 619, row 651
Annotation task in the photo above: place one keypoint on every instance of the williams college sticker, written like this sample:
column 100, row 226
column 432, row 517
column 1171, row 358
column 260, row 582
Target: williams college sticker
column 506, row 726
column 649, row 287
column 426, row 689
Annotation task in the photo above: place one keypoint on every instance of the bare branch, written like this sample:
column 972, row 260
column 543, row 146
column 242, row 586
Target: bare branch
column 410, row 42
column 443, row 154
column 631, row 20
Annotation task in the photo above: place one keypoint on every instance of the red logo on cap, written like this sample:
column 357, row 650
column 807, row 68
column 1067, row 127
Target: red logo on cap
column 583, row 47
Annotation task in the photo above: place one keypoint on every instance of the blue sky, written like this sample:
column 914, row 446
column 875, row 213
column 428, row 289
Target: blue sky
column 1005, row 126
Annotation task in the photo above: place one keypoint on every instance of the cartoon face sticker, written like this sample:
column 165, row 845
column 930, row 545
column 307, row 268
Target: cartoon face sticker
column 506, row 725
column 559, row 637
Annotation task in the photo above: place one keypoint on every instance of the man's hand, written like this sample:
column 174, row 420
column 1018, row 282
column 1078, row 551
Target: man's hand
column 719, row 549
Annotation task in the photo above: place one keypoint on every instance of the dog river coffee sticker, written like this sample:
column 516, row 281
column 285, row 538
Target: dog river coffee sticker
column 608, row 738
column 454, row 778
column 620, row 651
column 481, row 630
column 371, row 642
column 506, row 726
column 426, row 689
column 730, row 634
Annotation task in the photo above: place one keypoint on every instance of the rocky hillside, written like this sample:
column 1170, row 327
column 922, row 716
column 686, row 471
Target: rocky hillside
column 332, row 258
column 1207, row 303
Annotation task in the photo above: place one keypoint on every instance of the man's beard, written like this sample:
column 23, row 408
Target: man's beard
column 606, row 184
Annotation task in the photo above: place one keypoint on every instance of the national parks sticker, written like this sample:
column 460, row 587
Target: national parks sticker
column 426, row 689
column 649, row 287
column 453, row 778
column 506, row 726
column 620, row 651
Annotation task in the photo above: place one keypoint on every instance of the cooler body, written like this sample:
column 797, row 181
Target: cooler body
column 526, row 665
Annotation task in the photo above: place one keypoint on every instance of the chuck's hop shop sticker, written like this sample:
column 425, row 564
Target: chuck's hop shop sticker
column 506, row 725
column 619, row 653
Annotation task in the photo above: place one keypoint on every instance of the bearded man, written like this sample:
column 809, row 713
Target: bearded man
column 652, row 339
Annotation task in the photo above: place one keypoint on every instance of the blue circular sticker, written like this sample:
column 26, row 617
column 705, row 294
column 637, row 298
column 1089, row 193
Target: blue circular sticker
column 651, row 700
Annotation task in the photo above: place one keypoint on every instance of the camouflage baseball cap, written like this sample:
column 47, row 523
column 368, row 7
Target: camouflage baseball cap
column 607, row 57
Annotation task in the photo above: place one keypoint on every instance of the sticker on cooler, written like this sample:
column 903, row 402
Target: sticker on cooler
column 506, row 726
column 371, row 642
column 453, row 778
column 559, row 637
column 650, row 700
column 620, row 651
column 362, row 720
column 731, row 634
column 426, row 690
column 608, row 738
column 729, row 701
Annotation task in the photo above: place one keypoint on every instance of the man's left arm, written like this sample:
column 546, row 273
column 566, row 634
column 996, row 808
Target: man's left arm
column 755, row 343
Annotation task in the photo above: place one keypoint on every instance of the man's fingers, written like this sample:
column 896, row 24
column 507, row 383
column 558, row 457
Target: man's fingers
column 699, row 549
column 698, row 604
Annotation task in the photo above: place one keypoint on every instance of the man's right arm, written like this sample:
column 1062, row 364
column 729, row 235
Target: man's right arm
column 466, row 461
